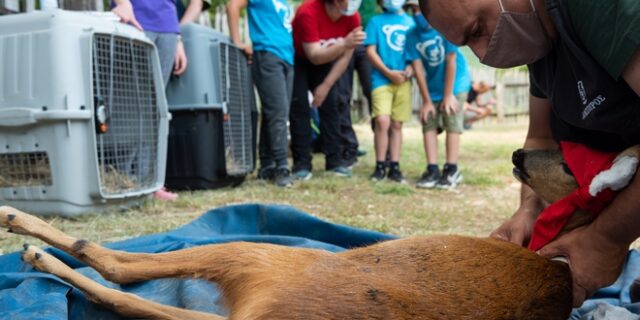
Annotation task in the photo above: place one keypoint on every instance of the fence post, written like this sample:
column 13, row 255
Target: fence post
column 500, row 100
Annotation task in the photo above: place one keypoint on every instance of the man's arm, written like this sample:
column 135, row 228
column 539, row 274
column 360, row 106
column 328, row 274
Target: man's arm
column 518, row 228
column 631, row 72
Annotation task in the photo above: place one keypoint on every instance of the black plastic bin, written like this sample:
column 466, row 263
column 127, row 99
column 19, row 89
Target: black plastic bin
column 195, row 158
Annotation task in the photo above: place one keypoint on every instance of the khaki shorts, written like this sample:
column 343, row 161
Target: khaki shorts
column 450, row 123
column 392, row 100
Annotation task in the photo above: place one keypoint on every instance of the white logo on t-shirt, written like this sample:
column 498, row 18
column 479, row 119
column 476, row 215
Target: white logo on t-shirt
column 284, row 11
column 589, row 106
column 432, row 51
column 395, row 36
column 325, row 43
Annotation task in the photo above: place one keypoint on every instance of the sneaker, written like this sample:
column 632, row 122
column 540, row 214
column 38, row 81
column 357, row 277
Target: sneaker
column 634, row 291
column 267, row 173
column 302, row 175
column 164, row 195
column 449, row 179
column 341, row 172
column 429, row 179
column 283, row 178
column 378, row 174
column 361, row 153
column 395, row 175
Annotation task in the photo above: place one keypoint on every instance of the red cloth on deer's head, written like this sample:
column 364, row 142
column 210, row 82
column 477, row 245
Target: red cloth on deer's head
column 585, row 163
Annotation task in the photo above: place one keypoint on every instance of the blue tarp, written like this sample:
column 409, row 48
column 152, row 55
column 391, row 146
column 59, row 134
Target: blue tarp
column 28, row 294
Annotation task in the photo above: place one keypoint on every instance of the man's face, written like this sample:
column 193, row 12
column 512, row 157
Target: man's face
column 469, row 22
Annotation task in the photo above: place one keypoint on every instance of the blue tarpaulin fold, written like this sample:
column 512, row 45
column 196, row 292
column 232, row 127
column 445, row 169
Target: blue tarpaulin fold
column 28, row 294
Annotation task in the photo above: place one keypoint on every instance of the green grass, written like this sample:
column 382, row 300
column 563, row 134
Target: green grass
column 488, row 195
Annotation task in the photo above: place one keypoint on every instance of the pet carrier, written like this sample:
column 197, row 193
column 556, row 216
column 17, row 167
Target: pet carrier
column 212, row 133
column 83, row 116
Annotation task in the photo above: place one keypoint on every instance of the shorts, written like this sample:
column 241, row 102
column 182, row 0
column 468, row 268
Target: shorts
column 449, row 123
column 392, row 100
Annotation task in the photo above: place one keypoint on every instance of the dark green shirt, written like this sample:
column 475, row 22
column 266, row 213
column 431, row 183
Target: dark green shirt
column 609, row 29
column 368, row 9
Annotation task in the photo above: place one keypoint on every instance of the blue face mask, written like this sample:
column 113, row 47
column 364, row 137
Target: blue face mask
column 421, row 22
column 393, row 5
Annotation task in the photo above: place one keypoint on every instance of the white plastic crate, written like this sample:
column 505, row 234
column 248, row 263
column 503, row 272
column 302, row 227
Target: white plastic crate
column 63, row 77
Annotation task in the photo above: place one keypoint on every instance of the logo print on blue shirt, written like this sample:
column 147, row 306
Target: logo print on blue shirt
column 395, row 36
column 432, row 51
column 284, row 12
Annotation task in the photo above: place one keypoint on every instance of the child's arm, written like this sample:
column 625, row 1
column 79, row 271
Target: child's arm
column 338, row 68
column 428, row 109
column 449, row 102
column 233, row 20
column 319, row 55
column 396, row 77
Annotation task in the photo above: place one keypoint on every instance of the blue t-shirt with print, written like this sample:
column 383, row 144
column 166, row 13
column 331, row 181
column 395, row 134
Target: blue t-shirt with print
column 270, row 27
column 430, row 46
column 388, row 32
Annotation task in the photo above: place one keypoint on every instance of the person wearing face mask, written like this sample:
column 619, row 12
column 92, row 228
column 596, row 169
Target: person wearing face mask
column 325, row 33
column 444, row 90
column 391, row 88
column 584, row 63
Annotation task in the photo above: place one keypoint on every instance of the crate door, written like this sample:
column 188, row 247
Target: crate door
column 126, row 102
column 237, row 91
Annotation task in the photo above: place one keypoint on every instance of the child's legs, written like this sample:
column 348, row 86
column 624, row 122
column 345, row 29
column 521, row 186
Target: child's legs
column 382, row 103
column 430, row 135
column 270, row 75
column 453, row 124
column 400, row 112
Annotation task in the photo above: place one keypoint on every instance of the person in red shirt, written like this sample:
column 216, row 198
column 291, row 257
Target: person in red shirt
column 325, row 34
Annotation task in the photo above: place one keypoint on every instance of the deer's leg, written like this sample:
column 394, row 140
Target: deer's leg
column 123, row 303
column 226, row 264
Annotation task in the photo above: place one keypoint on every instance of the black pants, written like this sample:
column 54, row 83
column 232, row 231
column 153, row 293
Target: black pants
column 273, row 78
column 306, row 78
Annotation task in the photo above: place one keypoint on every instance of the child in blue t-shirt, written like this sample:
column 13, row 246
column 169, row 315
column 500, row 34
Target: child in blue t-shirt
column 391, row 88
column 444, row 93
column 271, row 52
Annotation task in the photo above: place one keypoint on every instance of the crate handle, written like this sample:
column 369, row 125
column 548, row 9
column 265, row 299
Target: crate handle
column 18, row 117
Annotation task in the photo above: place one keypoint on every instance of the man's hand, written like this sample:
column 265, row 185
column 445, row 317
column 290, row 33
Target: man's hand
column 124, row 10
column 397, row 77
column 354, row 38
column 319, row 95
column 180, row 62
column 517, row 229
column 427, row 110
column 449, row 105
column 595, row 260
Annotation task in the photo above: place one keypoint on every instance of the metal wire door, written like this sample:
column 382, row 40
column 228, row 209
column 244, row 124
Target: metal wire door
column 126, row 113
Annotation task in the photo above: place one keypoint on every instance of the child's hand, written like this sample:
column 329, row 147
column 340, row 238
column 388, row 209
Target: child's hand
column 397, row 77
column 354, row 38
column 408, row 72
column 450, row 105
column 427, row 110
column 319, row 95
